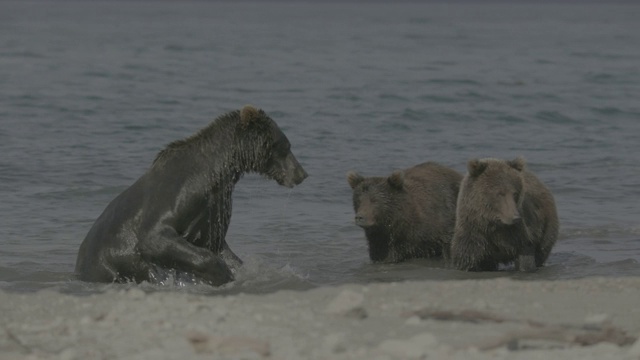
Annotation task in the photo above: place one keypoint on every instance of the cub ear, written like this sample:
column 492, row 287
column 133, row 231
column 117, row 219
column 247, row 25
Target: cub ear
column 517, row 163
column 396, row 180
column 248, row 114
column 476, row 167
column 354, row 179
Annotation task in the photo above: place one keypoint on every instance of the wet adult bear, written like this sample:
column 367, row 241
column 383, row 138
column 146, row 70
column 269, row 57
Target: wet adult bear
column 176, row 215
column 410, row 214
column 505, row 214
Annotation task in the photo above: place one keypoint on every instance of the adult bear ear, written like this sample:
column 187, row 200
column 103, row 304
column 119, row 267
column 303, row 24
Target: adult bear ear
column 354, row 179
column 248, row 114
column 517, row 163
column 476, row 167
column 396, row 180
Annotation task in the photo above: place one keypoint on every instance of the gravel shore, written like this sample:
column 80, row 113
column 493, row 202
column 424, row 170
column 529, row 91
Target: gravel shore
column 591, row 318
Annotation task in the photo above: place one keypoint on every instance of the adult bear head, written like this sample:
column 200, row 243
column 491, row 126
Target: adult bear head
column 266, row 148
column 241, row 141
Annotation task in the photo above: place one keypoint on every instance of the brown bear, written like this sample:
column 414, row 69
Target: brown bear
column 176, row 215
column 504, row 215
column 410, row 214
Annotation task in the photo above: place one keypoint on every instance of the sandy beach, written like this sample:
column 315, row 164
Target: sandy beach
column 592, row 318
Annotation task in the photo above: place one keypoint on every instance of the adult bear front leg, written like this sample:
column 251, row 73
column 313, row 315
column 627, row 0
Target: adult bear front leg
column 215, row 225
column 230, row 257
column 169, row 250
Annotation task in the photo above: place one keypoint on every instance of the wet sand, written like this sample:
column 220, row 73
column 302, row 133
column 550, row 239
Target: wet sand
column 591, row 318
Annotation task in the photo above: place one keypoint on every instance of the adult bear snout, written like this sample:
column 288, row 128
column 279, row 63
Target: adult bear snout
column 297, row 174
column 301, row 174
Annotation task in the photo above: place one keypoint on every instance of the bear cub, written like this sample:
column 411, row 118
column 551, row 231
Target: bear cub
column 410, row 214
column 505, row 214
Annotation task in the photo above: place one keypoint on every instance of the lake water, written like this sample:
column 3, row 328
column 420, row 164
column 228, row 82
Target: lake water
column 91, row 91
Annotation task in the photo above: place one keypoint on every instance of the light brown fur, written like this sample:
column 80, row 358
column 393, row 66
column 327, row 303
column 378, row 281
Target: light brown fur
column 409, row 214
column 504, row 214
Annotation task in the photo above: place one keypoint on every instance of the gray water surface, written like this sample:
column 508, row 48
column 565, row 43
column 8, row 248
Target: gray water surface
column 91, row 91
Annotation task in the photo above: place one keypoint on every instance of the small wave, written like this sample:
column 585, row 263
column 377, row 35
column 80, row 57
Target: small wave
column 416, row 115
column 603, row 244
column 350, row 97
column 607, row 110
column 601, row 78
column 604, row 231
column 420, row 20
column 473, row 95
column 555, row 117
column 512, row 83
column 24, row 55
column 185, row 48
column 438, row 99
column 414, row 36
column 97, row 74
column 453, row 81
column 511, row 119
column 141, row 127
column 393, row 126
column 79, row 192
column 575, row 265
column 600, row 55
column 393, row 97
column 544, row 62
column 244, row 90
column 19, row 279
column 254, row 276
column 257, row 269
column 175, row 47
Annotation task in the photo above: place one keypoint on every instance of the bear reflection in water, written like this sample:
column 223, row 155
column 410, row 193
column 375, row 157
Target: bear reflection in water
column 176, row 215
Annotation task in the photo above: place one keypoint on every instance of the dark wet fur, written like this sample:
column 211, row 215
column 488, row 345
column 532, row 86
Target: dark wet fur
column 177, row 214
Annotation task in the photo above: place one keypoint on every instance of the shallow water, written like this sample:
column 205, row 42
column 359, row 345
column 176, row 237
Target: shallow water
column 91, row 91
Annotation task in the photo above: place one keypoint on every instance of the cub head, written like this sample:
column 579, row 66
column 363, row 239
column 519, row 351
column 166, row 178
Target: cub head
column 266, row 148
column 374, row 198
column 493, row 190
